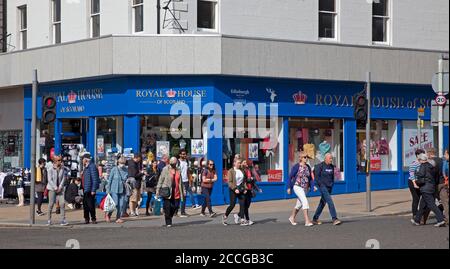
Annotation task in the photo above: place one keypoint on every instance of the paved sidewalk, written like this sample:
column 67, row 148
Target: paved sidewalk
column 392, row 202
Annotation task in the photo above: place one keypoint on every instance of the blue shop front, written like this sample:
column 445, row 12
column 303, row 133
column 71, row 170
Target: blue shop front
column 156, row 115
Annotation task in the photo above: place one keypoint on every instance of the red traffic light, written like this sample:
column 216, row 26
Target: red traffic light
column 49, row 103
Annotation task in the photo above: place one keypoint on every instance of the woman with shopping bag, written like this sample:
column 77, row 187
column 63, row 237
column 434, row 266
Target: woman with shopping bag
column 116, row 189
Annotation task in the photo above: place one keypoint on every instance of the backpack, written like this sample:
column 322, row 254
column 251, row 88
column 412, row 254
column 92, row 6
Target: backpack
column 150, row 181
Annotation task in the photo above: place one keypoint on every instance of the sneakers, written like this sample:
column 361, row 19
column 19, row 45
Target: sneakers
column 292, row 222
column 40, row 213
column 309, row 224
column 236, row 219
column 168, row 226
column 49, row 222
column 224, row 220
column 250, row 222
column 316, row 222
column 244, row 223
column 119, row 221
column 133, row 215
column 414, row 222
column 212, row 215
column 440, row 224
column 337, row 222
column 196, row 207
column 202, row 215
column 136, row 213
column 64, row 223
column 183, row 215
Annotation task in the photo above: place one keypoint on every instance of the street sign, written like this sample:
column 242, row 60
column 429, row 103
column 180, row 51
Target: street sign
column 440, row 100
column 435, row 113
column 435, row 83
column 421, row 112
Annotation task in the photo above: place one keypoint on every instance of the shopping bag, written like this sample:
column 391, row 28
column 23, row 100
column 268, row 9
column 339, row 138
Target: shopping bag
column 102, row 203
column 109, row 205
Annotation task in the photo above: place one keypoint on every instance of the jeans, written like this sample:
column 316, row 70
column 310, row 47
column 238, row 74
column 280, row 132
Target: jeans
column 233, row 197
column 52, row 198
column 325, row 193
column 415, row 194
column 170, row 207
column 427, row 202
column 191, row 196
column 119, row 199
column 89, row 206
column 207, row 203
column 148, row 202
column 40, row 198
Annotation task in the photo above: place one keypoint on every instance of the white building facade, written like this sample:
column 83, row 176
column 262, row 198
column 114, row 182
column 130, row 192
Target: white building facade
column 117, row 65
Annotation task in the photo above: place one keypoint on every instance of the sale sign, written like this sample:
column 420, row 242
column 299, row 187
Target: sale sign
column 275, row 175
column 411, row 141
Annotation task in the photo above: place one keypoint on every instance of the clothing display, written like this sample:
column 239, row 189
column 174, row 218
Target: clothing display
column 2, row 177
column 324, row 148
column 10, row 186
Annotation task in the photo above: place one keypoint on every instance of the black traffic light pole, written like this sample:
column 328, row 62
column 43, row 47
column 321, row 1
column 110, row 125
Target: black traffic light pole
column 33, row 147
column 368, row 137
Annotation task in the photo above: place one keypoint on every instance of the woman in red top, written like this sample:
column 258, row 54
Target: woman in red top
column 170, row 188
column 252, row 189
column 209, row 176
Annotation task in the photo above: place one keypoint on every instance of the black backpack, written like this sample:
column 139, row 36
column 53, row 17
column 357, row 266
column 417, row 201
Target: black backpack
column 150, row 180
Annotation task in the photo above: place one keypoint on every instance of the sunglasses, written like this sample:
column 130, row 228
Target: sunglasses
column 211, row 164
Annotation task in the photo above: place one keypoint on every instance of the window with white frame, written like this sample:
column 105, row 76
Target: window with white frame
column 56, row 21
column 95, row 18
column 138, row 16
column 23, row 27
column 207, row 14
column 380, row 21
column 327, row 19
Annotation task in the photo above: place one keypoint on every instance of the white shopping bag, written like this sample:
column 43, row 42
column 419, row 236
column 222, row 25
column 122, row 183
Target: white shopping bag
column 109, row 205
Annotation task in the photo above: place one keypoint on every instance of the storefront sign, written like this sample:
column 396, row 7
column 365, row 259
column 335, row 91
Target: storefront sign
column 375, row 163
column 168, row 97
column 377, row 102
column 411, row 141
column 275, row 175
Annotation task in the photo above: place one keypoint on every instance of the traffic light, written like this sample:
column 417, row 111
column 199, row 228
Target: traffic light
column 48, row 110
column 361, row 110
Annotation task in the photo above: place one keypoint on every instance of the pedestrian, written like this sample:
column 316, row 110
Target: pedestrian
column 40, row 185
column 237, row 189
column 20, row 190
column 301, row 181
column 135, row 180
column 90, row 184
column 256, row 172
column 184, row 167
column 441, row 193
column 56, row 187
column 116, row 188
column 324, row 176
column 170, row 187
column 415, row 192
column 252, row 189
column 196, row 174
column 74, row 194
column 426, row 181
column 163, row 163
column 443, row 189
column 151, row 180
column 209, row 176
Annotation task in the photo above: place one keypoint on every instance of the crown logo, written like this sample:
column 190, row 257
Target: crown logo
column 171, row 93
column 72, row 97
column 300, row 98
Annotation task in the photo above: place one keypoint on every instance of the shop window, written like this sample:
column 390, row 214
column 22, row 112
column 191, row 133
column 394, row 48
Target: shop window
column 11, row 154
column 207, row 14
column 411, row 140
column 264, row 158
column 383, row 146
column 158, row 138
column 109, row 137
column 317, row 137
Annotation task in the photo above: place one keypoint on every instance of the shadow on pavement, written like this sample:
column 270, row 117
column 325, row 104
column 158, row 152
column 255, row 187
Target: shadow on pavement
column 198, row 222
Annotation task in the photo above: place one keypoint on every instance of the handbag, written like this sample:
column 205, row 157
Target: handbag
column 102, row 203
column 164, row 192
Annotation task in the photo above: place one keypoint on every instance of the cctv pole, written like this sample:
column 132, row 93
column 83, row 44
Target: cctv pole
column 33, row 147
column 368, row 137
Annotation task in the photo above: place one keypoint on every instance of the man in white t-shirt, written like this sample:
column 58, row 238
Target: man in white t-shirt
column 184, row 166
